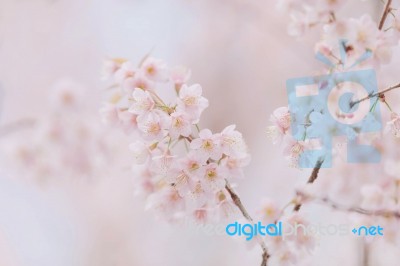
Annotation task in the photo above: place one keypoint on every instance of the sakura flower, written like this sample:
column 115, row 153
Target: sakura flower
column 180, row 75
column 393, row 125
column 281, row 119
column 301, row 237
column 226, row 206
column 154, row 69
column 140, row 151
column 191, row 164
column 232, row 142
column 191, row 102
column 167, row 201
column 201, row 215
column 181, row 181
column 213, row 177
column 111, row 66
column 207, row 145
column 363, row 33
column 293, row 150
column 142, row 102
column 197, row 197
column 67, row 94
column 180, row 125
column 274, row 134
column 138, row 81
column 283, row 257
column 154, row 125
column 269, row 211
column 125, row 71
column 234, row 165
column 128, row 121
column 164, row 166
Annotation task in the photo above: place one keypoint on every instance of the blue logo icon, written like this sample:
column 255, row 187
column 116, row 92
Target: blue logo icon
column 323, row 107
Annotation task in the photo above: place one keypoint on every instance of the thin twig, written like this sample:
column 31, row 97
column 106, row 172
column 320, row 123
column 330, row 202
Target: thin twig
column 236, row 200
column 385, row 14
column 311, row 179
column 372, row 95
column 334, row 205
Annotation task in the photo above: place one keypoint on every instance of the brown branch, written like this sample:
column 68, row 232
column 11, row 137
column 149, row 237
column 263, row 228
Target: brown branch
column 238, row 203
column 386, row 12
column 372, row 95
column 311, row 179
column 334, row 205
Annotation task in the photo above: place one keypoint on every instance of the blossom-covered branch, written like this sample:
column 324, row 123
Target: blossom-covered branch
column 183, row 171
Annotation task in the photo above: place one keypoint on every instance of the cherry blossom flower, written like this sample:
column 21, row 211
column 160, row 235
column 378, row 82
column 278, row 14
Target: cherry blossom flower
column 281, row 119
column 140, row 151
column 180, row 75
column 283, row 257
column 142, row 102
column 154, row 69
column 111, row 66
column 231, row 141
column 234, row 165
column 269, row 211
column 138, row 81
column 393, row 126
column 125, row 71
column 127, row 120
column 191, row 101
column 207, row 145
column 213, row 178
column 154, row 126
column 180, row 125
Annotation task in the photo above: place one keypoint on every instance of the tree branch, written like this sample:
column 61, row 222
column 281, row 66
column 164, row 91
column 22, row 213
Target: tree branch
column 334, row 205
column 238, row 203
column 385, row 14
column 372, row 95
column 311, row 179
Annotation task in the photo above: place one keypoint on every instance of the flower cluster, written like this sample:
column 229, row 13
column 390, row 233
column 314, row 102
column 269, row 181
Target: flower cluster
column 181, row 169
column 352, row 43
column 67, row 143
column 307, row 14
column 292, row 245
column 361, row 36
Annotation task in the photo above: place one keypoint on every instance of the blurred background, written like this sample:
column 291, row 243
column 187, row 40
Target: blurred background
column 241, row 54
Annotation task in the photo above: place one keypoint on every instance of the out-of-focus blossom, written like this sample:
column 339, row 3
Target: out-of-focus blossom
column 269, row 211
column 308, row 14
column 393, row 126
column 180, row 75
column 68, row 143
